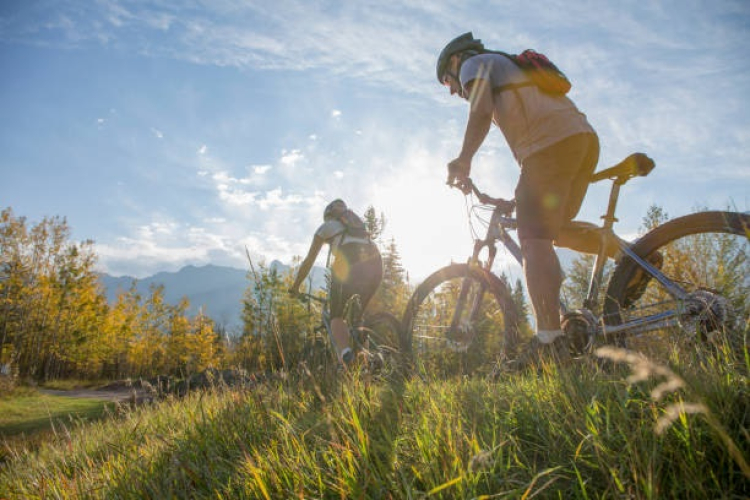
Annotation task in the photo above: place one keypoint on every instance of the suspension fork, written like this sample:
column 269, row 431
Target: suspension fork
column 466, row 286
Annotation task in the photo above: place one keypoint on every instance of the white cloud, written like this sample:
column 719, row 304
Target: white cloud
column 236, row 197
column 291, row 158
column 276, row 198
column 202, row 150
column 261, row 169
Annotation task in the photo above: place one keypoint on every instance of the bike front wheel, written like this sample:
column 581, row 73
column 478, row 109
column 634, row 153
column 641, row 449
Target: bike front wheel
column 459, row 319
column 705, row 254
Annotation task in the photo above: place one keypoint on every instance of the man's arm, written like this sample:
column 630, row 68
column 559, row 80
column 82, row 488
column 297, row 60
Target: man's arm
column 480, row 117
column 481, row 108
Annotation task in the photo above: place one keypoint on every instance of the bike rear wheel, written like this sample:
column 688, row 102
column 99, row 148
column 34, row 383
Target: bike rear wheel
column 317, row 355
column 442, row 339
column 706, row 254
column 383, row 340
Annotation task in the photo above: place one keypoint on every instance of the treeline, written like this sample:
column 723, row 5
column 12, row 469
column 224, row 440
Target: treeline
column 55, row 321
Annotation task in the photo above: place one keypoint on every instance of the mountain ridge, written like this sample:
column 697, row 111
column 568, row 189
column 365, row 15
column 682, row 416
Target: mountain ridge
column 216, row 290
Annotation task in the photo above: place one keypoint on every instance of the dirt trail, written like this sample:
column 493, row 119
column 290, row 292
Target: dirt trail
column 118, row 395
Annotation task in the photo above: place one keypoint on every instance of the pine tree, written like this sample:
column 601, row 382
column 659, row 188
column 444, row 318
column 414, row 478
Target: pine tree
column 394, row 291
column 375, row 225
column 519, row 299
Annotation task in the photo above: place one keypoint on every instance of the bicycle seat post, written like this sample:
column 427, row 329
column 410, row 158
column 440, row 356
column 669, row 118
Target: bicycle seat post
column 609, row 218
column 591, row 300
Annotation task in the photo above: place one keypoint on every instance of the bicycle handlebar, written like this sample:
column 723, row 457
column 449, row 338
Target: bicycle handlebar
column 307, row 297
column 466, row 185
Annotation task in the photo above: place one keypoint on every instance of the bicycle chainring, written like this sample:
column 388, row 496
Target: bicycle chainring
column 580, row 330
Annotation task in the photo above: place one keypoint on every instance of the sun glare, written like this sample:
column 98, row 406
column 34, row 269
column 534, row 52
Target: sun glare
column 427, row 219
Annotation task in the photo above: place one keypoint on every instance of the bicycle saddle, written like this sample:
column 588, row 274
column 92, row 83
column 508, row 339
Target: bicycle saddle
column 637, row 164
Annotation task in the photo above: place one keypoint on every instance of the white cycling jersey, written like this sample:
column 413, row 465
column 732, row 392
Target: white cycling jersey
column 529, row 119
column 334, row 233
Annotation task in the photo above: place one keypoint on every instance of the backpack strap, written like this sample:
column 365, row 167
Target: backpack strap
column 512, row 86
column 508, row 86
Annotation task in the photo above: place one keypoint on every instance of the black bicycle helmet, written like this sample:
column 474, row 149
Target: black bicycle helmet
column 334, row 209
column 458, row 44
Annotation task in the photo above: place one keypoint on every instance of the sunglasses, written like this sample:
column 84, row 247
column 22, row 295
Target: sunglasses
column 447, row 76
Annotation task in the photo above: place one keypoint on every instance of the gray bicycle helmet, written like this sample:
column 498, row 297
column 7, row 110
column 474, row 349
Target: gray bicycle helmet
column 334, row 209
column 458, row 44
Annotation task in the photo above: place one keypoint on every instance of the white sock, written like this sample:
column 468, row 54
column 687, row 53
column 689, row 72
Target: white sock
column 547, row 336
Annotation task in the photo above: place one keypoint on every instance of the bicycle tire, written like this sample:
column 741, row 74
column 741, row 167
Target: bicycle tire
column 384, row 335
column 426, row 322
column 706, row 254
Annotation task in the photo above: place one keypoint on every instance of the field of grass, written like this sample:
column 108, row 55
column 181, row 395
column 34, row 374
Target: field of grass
column 633, row 430
column 33, row 412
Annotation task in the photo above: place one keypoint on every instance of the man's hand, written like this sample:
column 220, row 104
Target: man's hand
column 458, row 175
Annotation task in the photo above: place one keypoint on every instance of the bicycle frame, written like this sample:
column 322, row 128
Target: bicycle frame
column 501, row 223
column 325, row 314
column 355, row 329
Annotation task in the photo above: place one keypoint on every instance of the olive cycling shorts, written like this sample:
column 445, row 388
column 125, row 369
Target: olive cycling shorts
column 553, row 184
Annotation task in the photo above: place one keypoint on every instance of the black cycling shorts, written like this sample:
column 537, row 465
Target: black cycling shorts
column 553, row 184
column 357, row 271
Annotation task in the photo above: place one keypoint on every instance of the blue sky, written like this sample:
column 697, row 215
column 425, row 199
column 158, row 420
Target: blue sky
column 182, row 132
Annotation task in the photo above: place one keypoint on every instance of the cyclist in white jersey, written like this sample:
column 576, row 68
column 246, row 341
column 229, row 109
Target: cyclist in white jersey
column 357, row 268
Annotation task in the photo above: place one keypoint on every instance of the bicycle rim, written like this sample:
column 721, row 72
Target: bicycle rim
column 443, row 339
column 706, row 254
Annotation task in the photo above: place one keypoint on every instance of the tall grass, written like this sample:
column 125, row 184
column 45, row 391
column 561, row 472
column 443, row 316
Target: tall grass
column 582, row 432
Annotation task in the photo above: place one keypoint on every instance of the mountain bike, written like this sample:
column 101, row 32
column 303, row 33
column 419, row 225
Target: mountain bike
column 699, row 290
column 376, row 338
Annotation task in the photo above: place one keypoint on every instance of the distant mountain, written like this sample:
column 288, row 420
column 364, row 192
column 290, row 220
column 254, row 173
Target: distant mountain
column 218, row 290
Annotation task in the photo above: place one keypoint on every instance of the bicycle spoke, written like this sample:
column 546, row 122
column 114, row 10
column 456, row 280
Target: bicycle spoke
column 708, row 258
column 459, row 319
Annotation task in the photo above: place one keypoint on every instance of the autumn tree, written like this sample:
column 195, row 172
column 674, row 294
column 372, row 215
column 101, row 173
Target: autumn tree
column 52, row 307
column 191, row 344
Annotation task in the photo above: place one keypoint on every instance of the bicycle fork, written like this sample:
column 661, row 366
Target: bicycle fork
column 461, row 329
